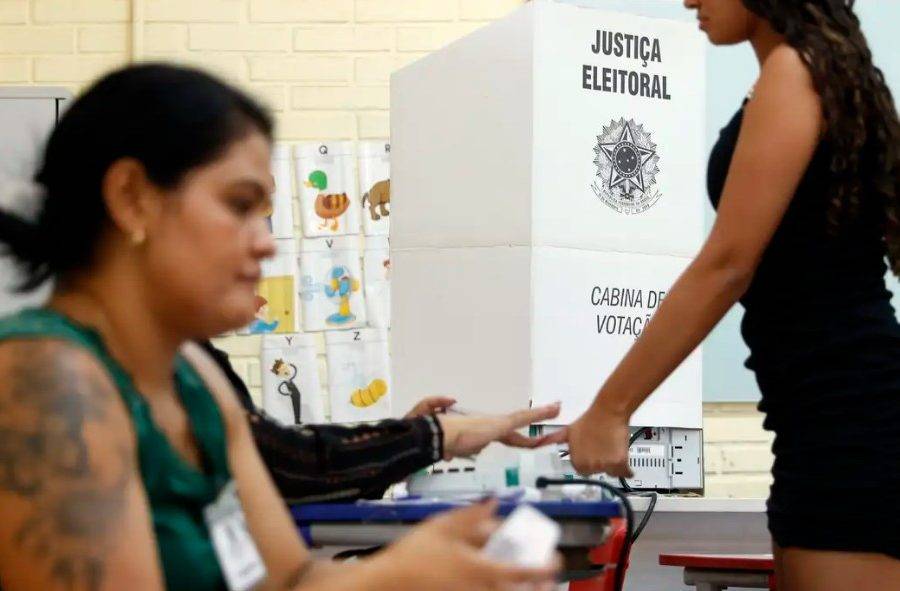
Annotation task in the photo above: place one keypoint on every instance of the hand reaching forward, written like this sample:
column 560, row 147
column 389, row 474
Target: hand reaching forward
column 468, row 435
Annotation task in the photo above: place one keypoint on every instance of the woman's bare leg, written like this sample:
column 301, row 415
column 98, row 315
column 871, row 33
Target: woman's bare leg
column 798, row 569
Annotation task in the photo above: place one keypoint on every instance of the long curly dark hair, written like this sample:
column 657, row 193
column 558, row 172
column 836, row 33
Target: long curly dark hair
column 862, row 127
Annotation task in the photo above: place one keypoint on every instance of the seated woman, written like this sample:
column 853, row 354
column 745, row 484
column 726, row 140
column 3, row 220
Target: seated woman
column 323, row 463
column 126, row 460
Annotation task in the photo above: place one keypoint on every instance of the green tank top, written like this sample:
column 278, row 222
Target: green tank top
column 177, row 491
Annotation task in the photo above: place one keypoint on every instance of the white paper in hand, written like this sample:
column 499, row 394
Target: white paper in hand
column 527, row 538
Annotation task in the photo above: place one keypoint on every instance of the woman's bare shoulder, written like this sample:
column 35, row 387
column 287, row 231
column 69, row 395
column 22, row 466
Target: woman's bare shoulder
column 786, row 74
column 46, row 369
column 217, row 382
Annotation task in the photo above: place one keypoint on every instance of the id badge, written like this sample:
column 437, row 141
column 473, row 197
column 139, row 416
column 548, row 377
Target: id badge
column 238, row 556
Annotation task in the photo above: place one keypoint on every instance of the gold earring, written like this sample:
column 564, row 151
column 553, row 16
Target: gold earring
column 138, row 237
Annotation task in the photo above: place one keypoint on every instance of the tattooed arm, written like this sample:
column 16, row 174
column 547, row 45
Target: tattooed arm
column 70, row 491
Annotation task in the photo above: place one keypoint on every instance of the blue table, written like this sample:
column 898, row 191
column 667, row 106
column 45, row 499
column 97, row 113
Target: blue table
column 584, row 525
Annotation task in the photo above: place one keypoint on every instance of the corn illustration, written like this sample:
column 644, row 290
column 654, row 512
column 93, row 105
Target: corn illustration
column 368, row 396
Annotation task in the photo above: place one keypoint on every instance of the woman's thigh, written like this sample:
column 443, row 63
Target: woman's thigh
column 797, row 569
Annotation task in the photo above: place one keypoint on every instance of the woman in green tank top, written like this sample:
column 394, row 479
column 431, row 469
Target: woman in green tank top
column 125, row 460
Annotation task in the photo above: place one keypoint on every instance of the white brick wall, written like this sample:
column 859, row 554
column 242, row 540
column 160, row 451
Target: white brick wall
column 62, row 42
column 301, row 11
column 80, row 11
column 17, row 39
column 165, row 37
column 245, row 38
column 70, row 69
column 429, row 38
column 323, row 66
column 406, row 10
column 195, row 11
column 103, row 38
column 14, row 12
column 738, row 453
column 344, row 38
column 15, row 70
column 485, row 9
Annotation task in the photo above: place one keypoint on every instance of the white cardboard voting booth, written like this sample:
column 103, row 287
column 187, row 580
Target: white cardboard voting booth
column 548, row 175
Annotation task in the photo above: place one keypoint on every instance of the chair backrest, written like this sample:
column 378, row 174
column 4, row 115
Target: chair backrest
column 749, row 562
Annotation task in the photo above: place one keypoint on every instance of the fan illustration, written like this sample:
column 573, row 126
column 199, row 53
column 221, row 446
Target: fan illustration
column 340, row 287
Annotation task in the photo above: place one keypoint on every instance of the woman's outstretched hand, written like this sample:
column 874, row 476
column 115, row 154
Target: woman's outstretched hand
column 468, row 435
column 430, row 406
column 598, row 442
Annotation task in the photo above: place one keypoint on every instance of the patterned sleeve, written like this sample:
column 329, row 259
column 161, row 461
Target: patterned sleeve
column 322, row 463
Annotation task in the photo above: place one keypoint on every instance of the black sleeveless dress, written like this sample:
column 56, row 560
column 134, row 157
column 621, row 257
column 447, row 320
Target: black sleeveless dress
column 825, row 348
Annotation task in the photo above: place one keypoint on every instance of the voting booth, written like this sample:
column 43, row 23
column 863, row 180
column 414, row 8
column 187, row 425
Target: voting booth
column 548, row 178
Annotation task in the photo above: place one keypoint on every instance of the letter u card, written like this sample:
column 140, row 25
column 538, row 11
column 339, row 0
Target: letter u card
column 281, row 220
column 291, row 390
column 277, row 308
column 358, row 375
column 331, row 289
column 375, row 186
column 326, row 185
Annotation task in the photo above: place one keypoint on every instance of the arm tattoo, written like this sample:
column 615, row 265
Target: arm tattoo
column 50, row 407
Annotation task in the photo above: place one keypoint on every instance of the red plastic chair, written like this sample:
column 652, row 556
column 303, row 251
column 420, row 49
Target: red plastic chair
column 608, row 555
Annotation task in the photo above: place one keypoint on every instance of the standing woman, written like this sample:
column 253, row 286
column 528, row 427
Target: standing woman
column 805, row 179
